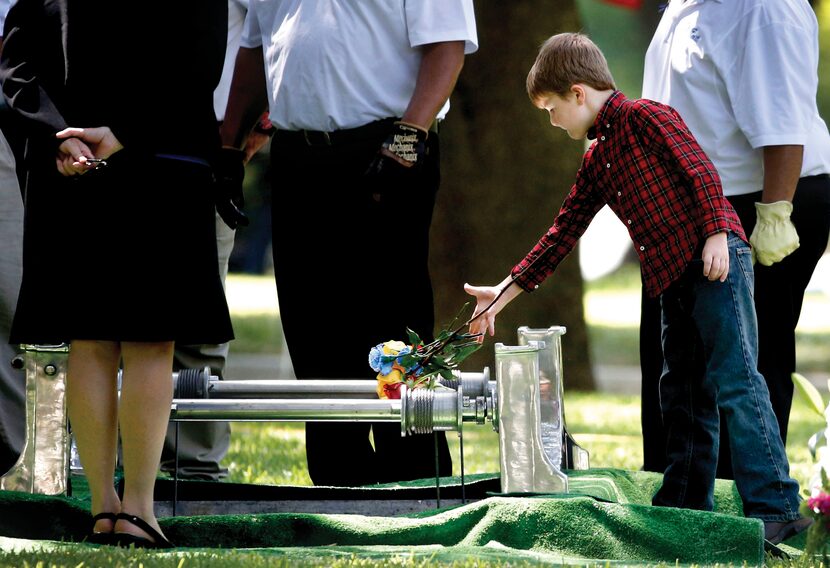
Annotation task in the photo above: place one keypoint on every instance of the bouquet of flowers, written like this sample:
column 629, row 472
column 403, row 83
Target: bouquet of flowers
column 418, row 365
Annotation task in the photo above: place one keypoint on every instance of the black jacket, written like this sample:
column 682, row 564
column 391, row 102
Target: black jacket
column 146, row 69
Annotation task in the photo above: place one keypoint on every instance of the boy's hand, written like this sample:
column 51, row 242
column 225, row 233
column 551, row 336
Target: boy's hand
column 484, row 295
column 716, row 257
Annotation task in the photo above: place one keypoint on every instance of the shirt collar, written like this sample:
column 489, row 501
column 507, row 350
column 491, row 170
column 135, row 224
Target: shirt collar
column 607, row 114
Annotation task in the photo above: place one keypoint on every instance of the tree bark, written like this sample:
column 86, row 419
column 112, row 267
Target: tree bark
column 505, row 174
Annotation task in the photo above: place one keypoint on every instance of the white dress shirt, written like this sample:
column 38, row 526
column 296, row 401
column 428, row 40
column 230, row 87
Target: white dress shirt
column 743, row 74
column 334, row 64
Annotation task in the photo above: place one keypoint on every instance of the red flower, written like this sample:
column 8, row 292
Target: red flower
column 820, row 503
column 393, row 391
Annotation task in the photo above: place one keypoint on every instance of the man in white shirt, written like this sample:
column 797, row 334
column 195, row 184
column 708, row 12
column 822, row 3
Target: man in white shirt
column 351, row 220
column 743, row 74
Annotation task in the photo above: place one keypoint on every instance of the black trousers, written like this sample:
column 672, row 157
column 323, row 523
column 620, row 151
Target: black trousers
column 779, row 294
column 351, row 272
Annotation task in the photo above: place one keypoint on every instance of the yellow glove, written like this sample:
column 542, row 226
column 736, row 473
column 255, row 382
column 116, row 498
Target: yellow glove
column 774, row 236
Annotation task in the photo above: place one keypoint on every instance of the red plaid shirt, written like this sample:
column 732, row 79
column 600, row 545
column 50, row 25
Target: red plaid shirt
column 648, row 168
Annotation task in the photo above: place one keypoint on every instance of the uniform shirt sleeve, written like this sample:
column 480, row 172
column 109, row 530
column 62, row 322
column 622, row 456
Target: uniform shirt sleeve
column 434, row 21
column 579, row 208
column 251, row 32
column 661, row 129
column 768, row 76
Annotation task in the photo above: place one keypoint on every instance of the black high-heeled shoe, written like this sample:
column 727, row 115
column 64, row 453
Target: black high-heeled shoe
column 96, row 537
column 126, row 540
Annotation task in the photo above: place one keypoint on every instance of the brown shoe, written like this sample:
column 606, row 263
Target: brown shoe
column 775, row 532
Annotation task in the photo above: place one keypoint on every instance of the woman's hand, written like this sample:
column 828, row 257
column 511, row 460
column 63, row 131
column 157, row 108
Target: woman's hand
column 71, row 158
column 81, row 144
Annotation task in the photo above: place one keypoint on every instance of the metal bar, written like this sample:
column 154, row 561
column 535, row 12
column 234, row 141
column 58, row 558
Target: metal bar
column 292, row 388
column 296, row 410
column 195, row 383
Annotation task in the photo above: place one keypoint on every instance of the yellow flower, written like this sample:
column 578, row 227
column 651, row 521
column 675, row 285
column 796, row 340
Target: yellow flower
column 393, row 347
column 392, row 378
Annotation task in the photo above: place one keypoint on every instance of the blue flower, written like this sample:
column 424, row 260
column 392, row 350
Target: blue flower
column 376, row 358
column 379, row 361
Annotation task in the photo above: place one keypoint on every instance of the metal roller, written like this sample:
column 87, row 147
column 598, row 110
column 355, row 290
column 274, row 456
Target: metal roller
column 197, row 384
column 420, row 411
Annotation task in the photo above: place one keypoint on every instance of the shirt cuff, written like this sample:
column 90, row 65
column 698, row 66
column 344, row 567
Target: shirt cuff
column 527, row 280
column 788, row 139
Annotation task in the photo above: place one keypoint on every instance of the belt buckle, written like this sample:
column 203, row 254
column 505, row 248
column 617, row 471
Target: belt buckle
column 310, row 135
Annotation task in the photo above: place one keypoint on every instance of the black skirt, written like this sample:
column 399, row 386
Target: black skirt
column 123, row 253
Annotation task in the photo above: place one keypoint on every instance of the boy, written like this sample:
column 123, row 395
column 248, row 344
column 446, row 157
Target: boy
column 647, row 166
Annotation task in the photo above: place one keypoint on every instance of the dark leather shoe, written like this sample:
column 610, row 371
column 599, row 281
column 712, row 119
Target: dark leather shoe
column 776, row 532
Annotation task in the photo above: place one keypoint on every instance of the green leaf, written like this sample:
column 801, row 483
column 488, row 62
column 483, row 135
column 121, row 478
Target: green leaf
column 465, row 350
column 809, row 392
column 414, row 338
column 442, row 336
column 440, row 362
column 447, row 374
column 406, row 361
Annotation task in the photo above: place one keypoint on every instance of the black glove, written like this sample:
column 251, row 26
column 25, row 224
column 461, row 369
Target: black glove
column 407, row 142
column 229, row 173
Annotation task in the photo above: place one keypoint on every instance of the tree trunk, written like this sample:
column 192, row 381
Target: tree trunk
column 505, row 174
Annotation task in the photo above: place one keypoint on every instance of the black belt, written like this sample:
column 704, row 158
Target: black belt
column 374, row 130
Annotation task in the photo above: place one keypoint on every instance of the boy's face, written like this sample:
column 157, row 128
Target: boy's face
column 570, row 113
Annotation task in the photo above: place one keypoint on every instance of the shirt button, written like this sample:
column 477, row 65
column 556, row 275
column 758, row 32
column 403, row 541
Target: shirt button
column 602, row 137
column 642, row 248
column 629, row 221
column 536, row 286
column 619, row 193
column 607, row 126
column 608, row 166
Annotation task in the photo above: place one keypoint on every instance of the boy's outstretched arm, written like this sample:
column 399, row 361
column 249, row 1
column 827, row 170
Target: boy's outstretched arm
column 716, row 257
column 484, row 296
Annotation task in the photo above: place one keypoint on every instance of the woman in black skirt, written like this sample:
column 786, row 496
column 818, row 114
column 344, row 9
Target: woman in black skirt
column 119, row 259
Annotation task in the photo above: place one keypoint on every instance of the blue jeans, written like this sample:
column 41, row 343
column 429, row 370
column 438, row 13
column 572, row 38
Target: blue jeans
column 710, row 348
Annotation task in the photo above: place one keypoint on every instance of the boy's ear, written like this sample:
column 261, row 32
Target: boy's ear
column 578, row 92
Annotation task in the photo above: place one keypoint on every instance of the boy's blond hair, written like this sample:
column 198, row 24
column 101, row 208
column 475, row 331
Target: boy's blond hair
column 564, row 60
